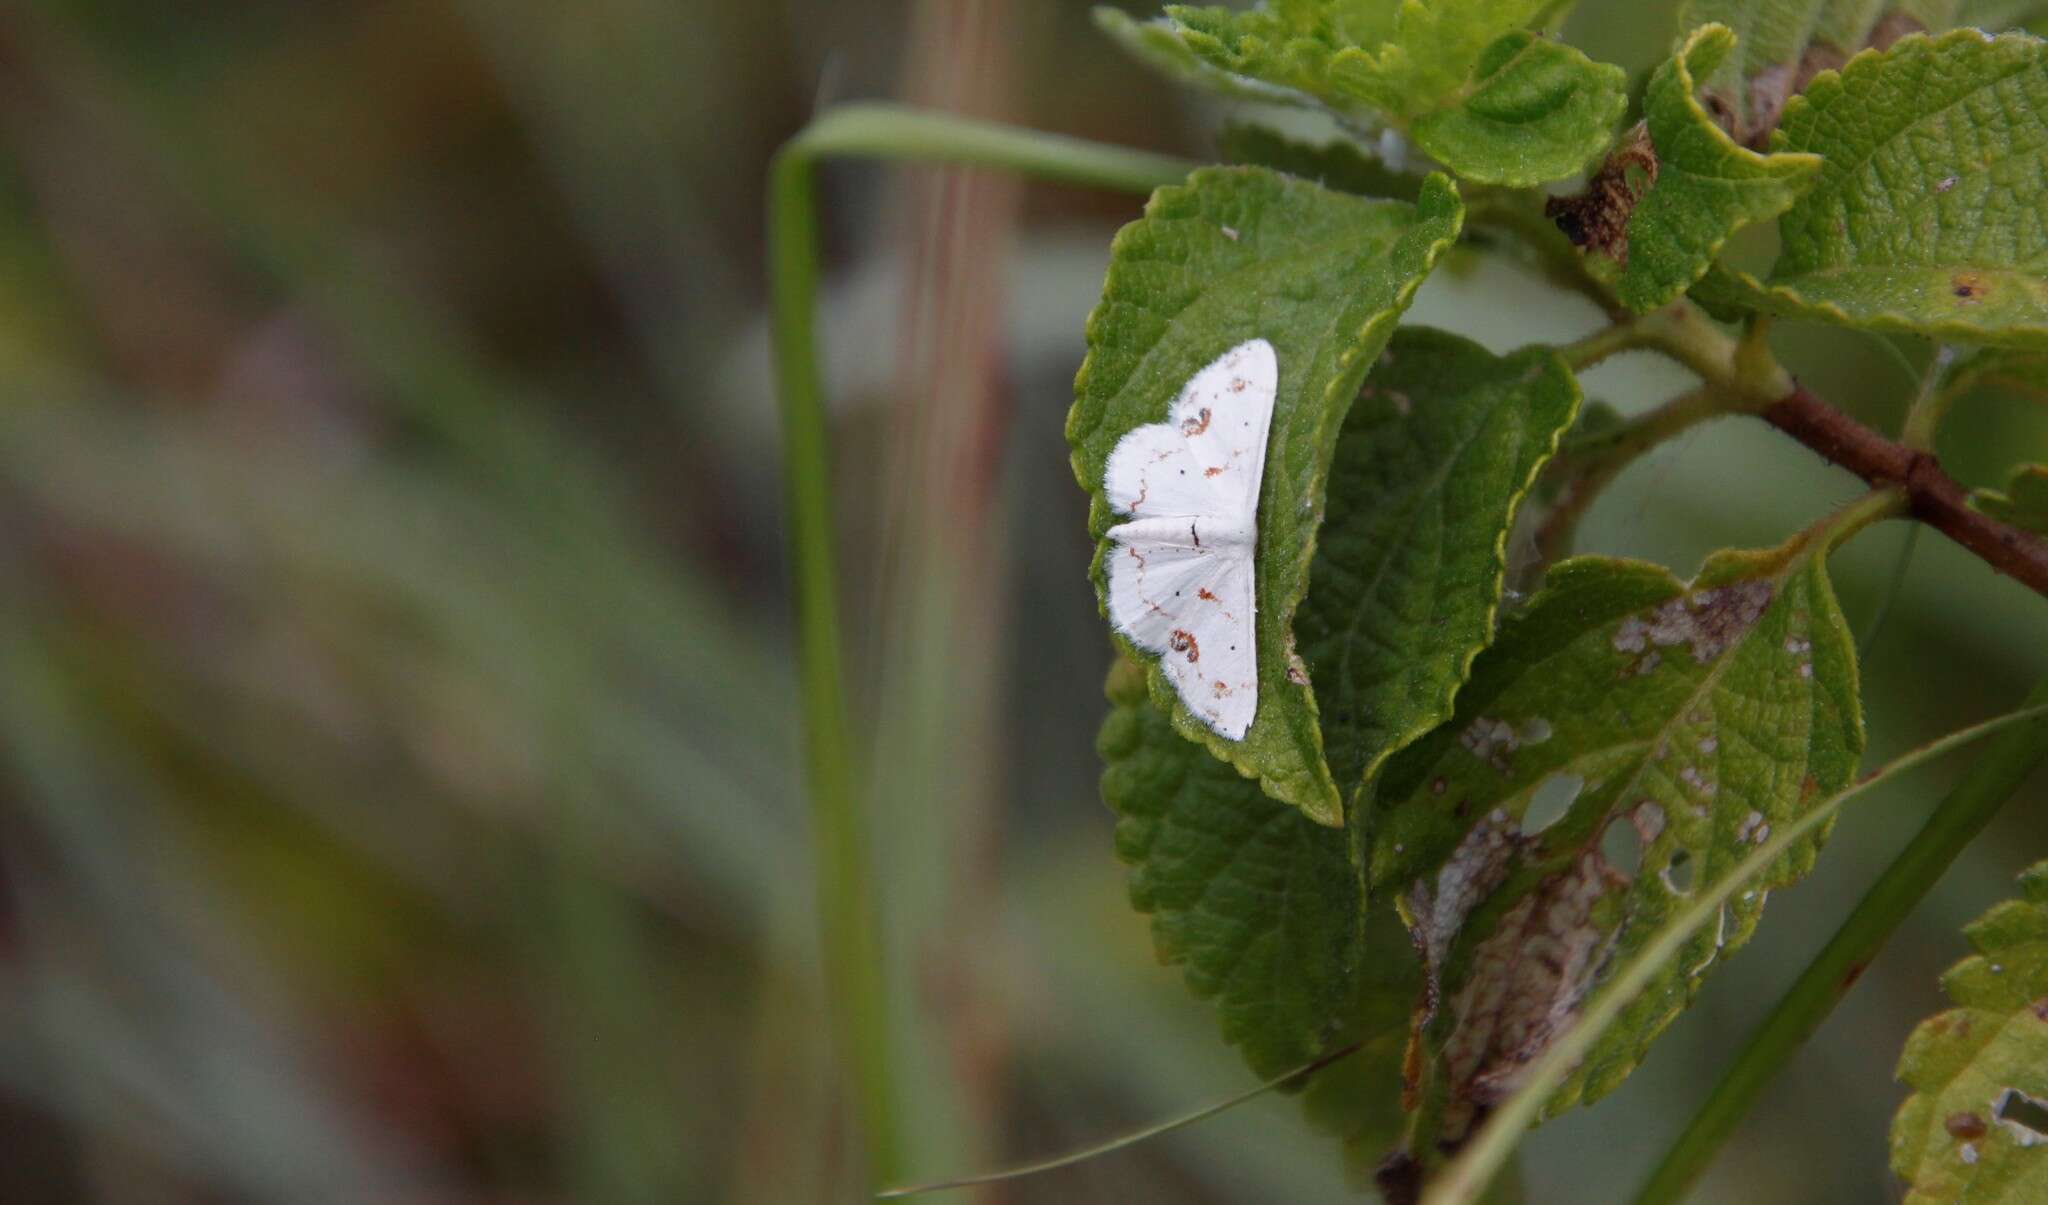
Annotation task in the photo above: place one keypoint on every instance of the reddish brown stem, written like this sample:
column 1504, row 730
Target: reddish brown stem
column 1933, row 497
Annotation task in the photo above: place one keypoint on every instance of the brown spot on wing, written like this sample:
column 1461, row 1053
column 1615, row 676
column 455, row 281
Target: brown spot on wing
column 1205, row 594
column 1183, row 641
column 1196, row 424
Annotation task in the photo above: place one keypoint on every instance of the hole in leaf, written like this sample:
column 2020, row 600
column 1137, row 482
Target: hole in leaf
column 1622, row 846
column 1553, row 798
column 2025, row 1116
column 1677, row 873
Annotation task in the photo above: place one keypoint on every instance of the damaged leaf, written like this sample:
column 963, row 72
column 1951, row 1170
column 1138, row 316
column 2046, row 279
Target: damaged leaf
column 1239, row 254
column 1666, row 202
column 1441, row 447
column 1683, row 721
column 1263, row 910
column 1783, row 44
column 2024, row 501
column 1464, row 79
column 1927, row 214
column 1976, row 1126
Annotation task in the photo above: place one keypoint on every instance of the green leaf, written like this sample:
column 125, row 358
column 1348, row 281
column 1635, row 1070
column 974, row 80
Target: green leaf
column 1682, row 722
column 1432, row 465
column 1701, row 186
column 1463, row 78
column 2024, row 502
column 1232, row 255
column 1784, row 44
column 1159, row 46
column 1976, row 1126
column 1336, row 164
column 1926, row 218
column 1535, row 111
column 1263, row 910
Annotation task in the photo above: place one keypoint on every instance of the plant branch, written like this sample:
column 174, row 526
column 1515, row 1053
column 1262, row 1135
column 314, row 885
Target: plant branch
column 1827, row 979
column 1932, row 496
column 846, row 916
column 1754, row 381
column 1465, row 1180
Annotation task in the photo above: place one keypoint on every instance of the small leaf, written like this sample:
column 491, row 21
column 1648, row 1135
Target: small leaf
column 2024, row 503
column 1337, row 164
column 1463, row 78
column 1263, row 910
column 1926, row 218
column 1699, row 187
column 1238, row 254
column 1665, row 728
column 1976, row 1126
column 1432, row 465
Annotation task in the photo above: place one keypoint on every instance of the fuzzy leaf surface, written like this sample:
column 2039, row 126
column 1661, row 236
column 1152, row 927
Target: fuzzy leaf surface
column 1976, row 1127
column 1929, row 213
column 1433, row 463
column 1462, row 78
column 1237, row 254
column 1705, row 186
column 1682, row 721
column 1263, row 910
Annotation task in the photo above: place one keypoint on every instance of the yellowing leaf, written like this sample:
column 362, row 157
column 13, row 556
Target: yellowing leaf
column 1976, row 1126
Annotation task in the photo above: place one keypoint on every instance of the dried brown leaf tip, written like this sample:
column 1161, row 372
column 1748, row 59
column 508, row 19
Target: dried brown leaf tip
column 1597, row 219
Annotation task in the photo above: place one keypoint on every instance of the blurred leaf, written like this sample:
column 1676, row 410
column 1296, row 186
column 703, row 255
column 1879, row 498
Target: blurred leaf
column 1925, row 216
column 2013, row 370
column 1159, row 46
column 1335, row 164
column 1665, row 727
column 2024, row 502
column 1239, row 254
column 1697, row 186
column 1431, row 467
column 1976, row 1126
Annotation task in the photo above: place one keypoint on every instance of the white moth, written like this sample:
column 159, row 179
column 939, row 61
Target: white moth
column 1180, row 577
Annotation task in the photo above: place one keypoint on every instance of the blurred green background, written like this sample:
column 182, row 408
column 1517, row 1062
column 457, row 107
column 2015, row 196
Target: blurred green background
column 398, row 797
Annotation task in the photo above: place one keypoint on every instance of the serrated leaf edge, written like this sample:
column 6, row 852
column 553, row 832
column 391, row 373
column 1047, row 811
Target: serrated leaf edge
column 1322, row 803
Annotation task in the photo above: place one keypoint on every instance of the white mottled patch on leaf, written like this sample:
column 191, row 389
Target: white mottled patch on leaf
column 1181, row 577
